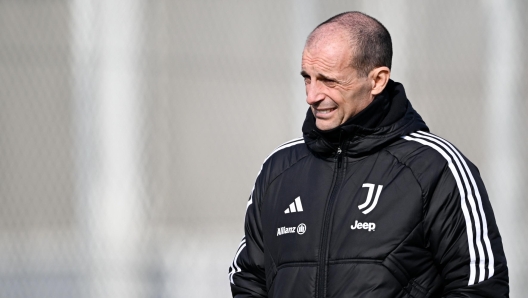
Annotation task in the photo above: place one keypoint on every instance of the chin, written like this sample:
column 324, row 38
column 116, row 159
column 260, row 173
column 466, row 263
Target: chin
column 322, row 125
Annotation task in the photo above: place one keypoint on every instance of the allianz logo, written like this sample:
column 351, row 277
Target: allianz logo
column 370, row 226
column 300, row 229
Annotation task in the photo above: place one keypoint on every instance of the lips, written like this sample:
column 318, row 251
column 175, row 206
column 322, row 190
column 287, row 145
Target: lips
column 323, row 113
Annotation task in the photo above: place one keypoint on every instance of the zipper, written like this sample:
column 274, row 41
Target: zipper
column 339, row 157
column 325, row 239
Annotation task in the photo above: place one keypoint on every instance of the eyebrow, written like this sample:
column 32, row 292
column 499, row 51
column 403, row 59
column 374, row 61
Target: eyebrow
column 320, row 76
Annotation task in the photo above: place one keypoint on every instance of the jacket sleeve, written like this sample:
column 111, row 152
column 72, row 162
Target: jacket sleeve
column 463, row 235
column 246, row 274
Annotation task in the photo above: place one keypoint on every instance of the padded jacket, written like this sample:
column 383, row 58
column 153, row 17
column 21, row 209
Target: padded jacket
column 377, row 207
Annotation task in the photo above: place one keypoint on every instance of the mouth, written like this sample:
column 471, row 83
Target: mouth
column 323, row 113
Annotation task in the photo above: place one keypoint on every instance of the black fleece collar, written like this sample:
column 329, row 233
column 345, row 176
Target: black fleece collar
column 370, row 117
column 389, row 116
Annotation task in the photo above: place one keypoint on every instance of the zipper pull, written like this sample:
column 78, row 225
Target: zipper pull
column 339, row 157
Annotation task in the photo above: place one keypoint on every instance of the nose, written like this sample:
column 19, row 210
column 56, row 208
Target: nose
column 313, row 93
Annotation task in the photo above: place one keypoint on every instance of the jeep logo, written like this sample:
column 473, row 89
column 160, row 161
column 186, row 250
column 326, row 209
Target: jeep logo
column 370, row 226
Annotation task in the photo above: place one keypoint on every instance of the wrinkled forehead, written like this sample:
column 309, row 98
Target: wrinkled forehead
column 329, row 41
column 330, row 51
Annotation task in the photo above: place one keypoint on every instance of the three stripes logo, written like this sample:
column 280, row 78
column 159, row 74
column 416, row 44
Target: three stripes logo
column 296, row 206
column 369, row 197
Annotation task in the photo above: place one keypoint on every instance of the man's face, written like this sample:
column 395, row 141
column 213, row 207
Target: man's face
column 334, row 90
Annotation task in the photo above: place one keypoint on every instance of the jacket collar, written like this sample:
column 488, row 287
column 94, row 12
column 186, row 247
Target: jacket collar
column 388, row 117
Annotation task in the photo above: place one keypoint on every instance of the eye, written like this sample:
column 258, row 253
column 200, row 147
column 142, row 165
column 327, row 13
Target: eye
column 307, row 80
column 330, row 83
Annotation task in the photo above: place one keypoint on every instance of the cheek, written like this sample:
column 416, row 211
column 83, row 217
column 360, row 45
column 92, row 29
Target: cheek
column 349, row 102
column 345, row 98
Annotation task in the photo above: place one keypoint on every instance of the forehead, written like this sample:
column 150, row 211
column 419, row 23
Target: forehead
column 329, row 54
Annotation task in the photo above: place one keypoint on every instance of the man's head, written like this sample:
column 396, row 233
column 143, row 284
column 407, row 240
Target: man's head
column 346, row 62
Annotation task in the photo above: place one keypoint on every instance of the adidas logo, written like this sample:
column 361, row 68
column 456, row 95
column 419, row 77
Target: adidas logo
column 295, row 206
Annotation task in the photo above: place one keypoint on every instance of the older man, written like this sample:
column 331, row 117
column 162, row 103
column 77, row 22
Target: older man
column 368, row 203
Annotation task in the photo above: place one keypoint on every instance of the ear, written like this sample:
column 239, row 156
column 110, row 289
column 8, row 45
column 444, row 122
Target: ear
column 379, row 77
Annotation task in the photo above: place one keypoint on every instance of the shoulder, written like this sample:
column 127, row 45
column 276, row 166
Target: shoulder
column 429, row 156
column 285, row 155
column 278, row 161
column 434, row 147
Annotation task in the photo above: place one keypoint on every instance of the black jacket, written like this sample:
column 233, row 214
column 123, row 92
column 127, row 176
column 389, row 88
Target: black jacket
column 377, row 207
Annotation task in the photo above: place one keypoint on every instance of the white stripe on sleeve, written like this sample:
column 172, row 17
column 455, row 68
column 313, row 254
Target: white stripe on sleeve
column 234, row 268
column 465, row 211
column 491, row 259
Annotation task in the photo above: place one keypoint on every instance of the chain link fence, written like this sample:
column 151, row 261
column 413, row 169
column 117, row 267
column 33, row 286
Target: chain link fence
column 131, row 131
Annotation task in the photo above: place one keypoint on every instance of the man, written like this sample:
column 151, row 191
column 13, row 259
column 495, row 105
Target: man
column 368, row 203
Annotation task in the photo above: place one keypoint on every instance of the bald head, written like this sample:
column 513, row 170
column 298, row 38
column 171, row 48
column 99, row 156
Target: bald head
column 370, row 43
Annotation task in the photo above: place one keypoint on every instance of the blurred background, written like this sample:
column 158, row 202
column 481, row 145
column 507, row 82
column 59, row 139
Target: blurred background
column 131, row 131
